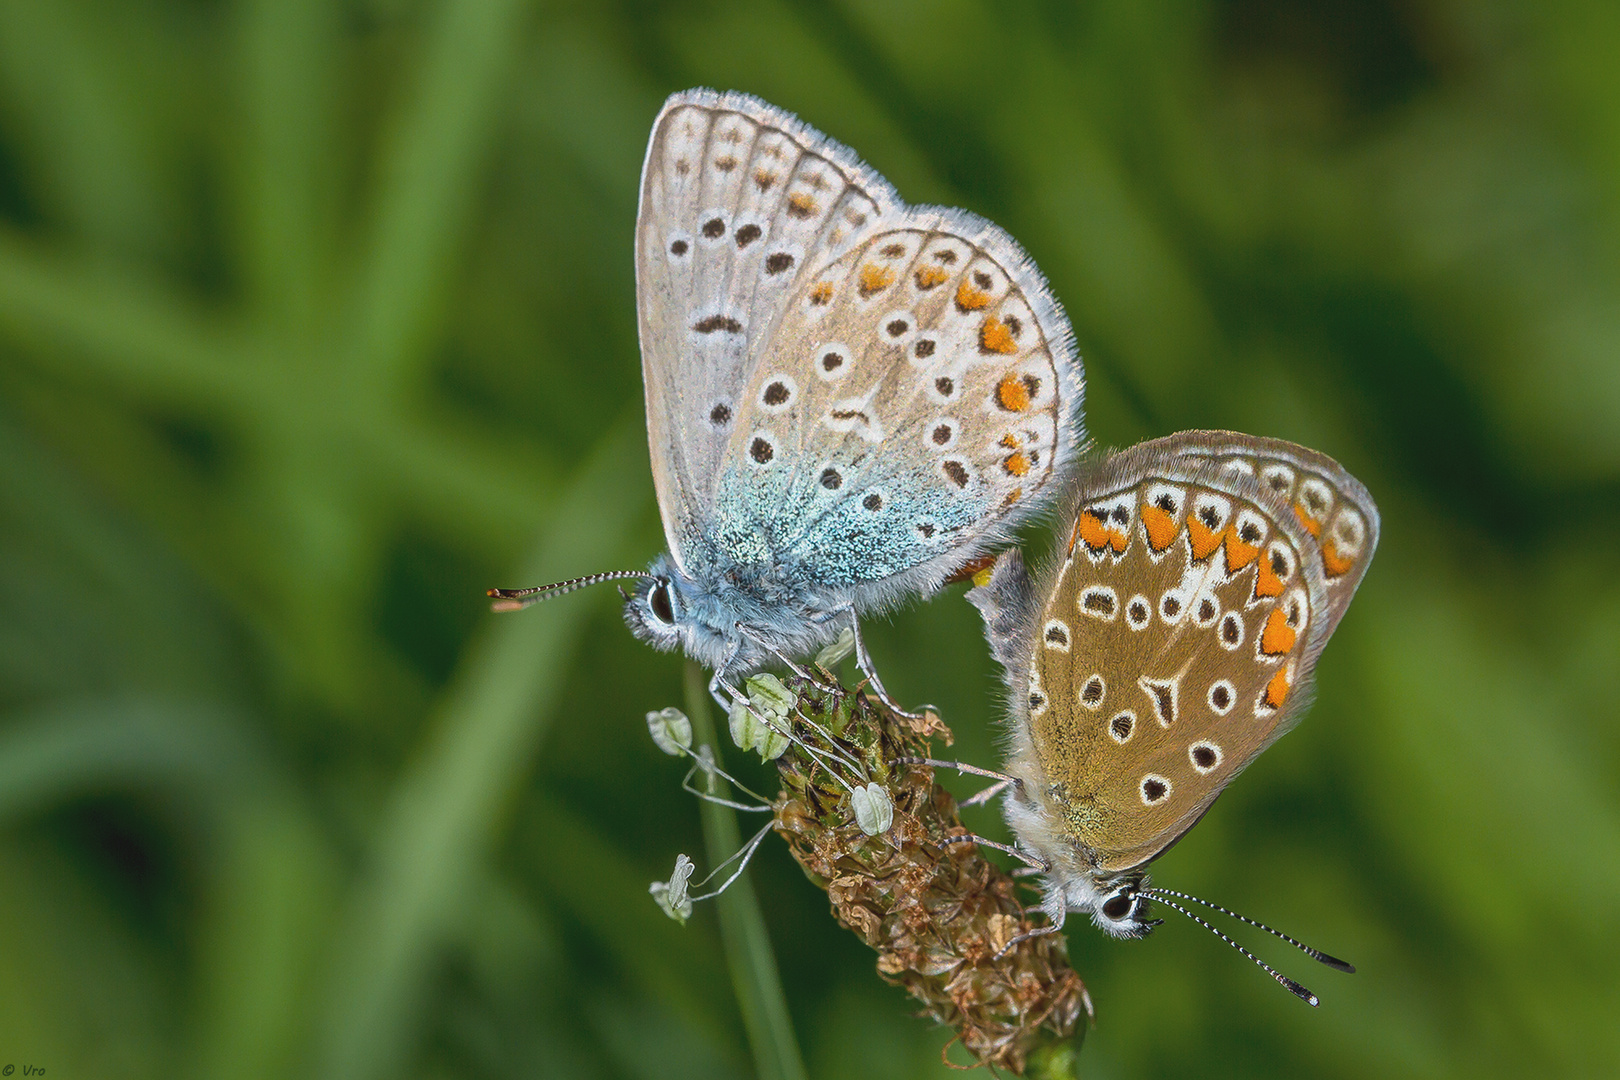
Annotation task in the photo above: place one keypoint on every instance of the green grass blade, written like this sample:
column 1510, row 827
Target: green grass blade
column 288, row 176
column 427, row 185
column 141, row 337
column 453, row 799
column 754, row 974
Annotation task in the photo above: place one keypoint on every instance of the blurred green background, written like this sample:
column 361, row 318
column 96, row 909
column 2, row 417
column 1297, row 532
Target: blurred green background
column 317, row 319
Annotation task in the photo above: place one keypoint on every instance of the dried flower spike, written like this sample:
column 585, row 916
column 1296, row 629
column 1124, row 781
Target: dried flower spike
column 939, row 914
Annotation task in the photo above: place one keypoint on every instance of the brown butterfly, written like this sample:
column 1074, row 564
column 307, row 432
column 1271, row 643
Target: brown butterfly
column 1170, row 641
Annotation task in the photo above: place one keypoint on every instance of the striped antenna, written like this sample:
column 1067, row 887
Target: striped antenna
column 1315, row 954
column 1163, row 897
column 518, row 599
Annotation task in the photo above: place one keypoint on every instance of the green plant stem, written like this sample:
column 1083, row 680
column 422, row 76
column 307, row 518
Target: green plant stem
column 452, row 800
column 754, row 975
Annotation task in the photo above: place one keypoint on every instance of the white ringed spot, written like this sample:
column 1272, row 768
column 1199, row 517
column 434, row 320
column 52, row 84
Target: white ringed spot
column 1122, row 726
column 1205, row 757
column 1154, row 789
column 852, row 416
column 761, row 449
column 1277, row 479
column 1231, row 632
column 940, row 433
column 1162, row 696
column 1037, row 699
column 778, row 394
column 832, row 361
column 1100, row 602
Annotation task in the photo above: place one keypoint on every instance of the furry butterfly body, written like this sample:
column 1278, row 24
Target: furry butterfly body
column 848, row 398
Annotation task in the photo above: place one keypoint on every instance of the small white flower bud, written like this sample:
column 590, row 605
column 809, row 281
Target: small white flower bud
column 671, row 730
column 874, row 810
column 837, row 651
column 671, row 895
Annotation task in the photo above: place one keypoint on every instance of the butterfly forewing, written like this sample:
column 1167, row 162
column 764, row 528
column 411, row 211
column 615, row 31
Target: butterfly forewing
column 737, row 198
column 1174, row 645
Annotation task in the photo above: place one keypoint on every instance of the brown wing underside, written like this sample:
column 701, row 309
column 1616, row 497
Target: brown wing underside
column 1173, row 648
column 1333, row 506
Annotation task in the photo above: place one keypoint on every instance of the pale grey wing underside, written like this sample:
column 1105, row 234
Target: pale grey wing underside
column 919, row 400
column 739, row 202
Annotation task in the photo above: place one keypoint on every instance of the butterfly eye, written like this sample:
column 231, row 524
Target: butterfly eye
column 1117, row 906
column 658, row 600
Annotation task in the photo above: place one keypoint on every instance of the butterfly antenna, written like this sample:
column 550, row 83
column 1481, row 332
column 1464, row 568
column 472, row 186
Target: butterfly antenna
column 518, row 599
column 1284, row 981
column 1315, row 954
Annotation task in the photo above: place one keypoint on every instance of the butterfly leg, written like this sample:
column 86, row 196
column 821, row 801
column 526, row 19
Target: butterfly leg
column 986, row 795
column 797, row 670
column 1056, row 912
column 840, row 758
column 719, row 689
column 970, row 838
column 863, row 660
column 1003, row 781
column 1027, row 935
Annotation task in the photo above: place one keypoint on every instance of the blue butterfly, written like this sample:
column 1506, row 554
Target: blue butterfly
column 849, row 399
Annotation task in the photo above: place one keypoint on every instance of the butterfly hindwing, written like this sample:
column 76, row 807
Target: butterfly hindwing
column 737, row 197
column 923, row 391
column 1333, row 506
column 1172, row 641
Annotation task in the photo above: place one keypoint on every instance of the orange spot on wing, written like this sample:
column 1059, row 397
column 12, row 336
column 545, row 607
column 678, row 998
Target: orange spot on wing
column 801, row 205
column 1312, row 526
column 1010, row 441
column 1238, row 554
column 1277, row 638
column 1013, row 394
column 1012, row 496
column 1277, row 690
column 970, row 298
column 974, row 570
column 1096, row 534
column 1016, row 464
column 1266, row 581
column 1333, row 562
column 1204, row 539
column 821, row 294
column 1091, row 531
column 1161, row 527
column 929, row 276
column 994, row 337
column 875, row 278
